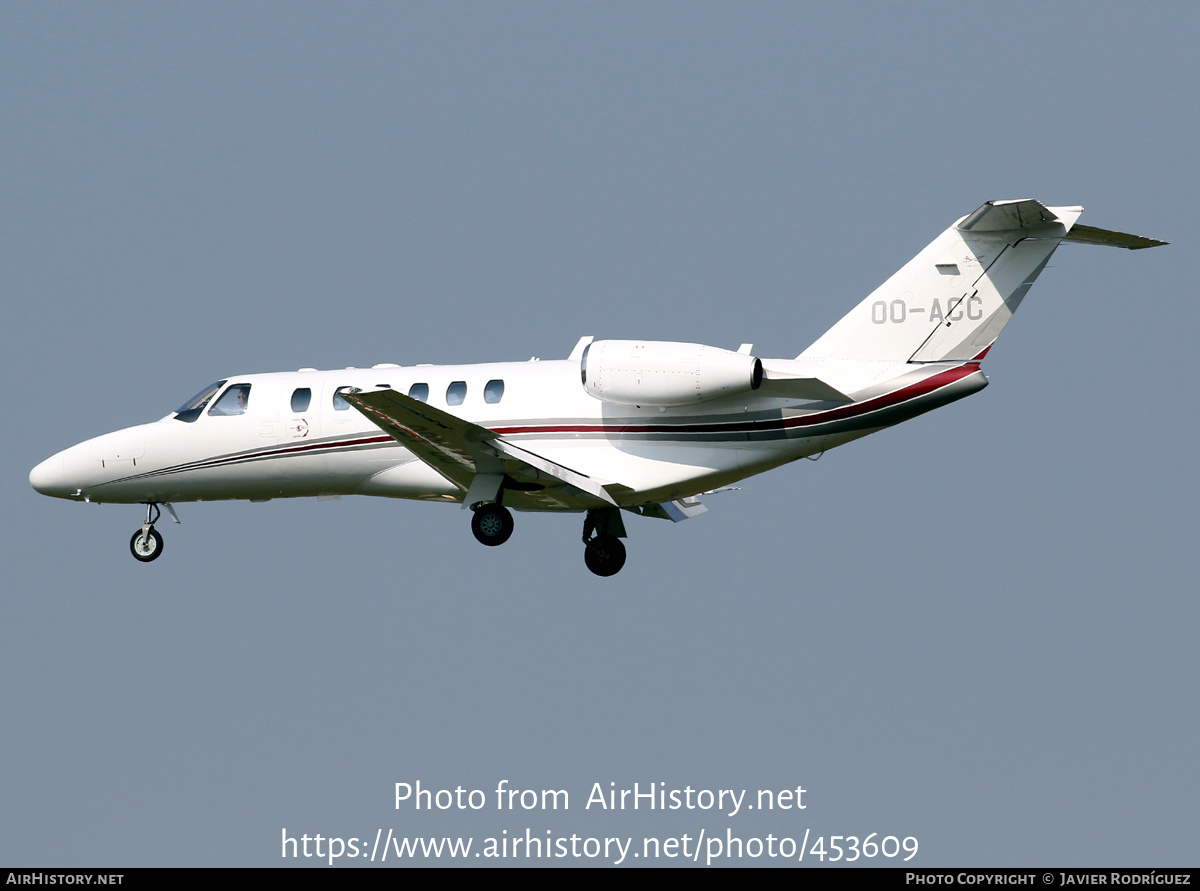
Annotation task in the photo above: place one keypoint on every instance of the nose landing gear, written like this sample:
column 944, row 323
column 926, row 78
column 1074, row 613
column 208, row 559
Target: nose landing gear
column 147, row 543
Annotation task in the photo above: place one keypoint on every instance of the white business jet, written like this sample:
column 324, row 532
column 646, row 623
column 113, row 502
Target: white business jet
column 639, row 426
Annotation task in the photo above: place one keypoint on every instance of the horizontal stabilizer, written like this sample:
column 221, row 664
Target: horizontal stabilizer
column 1092, row 235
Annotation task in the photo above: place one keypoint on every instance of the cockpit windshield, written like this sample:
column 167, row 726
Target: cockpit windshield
column 233, row 401
column 191, row 409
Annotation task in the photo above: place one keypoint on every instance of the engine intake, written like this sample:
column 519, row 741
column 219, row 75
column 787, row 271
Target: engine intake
column 648, row 372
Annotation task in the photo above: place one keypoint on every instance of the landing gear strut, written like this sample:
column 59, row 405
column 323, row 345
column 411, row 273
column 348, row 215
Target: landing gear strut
column 603, row 552
column 492, row 524
column 147, row 544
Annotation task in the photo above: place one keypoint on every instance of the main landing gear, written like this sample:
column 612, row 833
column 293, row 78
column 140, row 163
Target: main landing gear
column 603, row 529
column 147, row 544
column 492, row 524
column 604, row 555
column 602, row 549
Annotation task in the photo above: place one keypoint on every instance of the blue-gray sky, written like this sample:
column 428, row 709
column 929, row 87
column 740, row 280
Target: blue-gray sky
column 977, row 628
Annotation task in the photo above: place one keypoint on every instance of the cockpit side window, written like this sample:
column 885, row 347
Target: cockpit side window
column 233, row 401
column 191, row 409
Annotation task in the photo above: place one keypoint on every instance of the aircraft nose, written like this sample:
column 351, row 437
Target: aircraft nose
column 50, row 477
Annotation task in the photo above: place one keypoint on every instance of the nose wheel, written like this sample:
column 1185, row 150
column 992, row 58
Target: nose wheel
column 147, row 543
column 492, row 524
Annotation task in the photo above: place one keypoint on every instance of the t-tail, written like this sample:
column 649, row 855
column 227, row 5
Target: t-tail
column 951, row 301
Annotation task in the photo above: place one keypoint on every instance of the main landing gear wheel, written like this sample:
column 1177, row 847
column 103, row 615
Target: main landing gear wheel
column 492, row 524
column 604, row 555
column 146, row 545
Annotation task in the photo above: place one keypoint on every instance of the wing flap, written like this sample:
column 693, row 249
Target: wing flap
column 557, row 471
column 472, row 457
column 676, row 511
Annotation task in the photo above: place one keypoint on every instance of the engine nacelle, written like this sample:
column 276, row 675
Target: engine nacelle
column 647, row 372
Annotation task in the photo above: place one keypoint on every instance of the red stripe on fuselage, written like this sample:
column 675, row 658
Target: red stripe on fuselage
column 887, row 400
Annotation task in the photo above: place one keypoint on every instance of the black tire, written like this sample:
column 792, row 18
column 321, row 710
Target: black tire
column 492, row 524
column 147, row 550
column 604, row 555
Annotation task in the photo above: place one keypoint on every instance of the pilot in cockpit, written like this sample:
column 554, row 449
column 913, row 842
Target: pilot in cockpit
column 233, row 401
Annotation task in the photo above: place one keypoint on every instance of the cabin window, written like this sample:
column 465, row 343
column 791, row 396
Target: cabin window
column 233, row 401
column 493, row 392
column 456, row 393
column 300, row 399
column 339, row 401
column 191, row 409
column 420, row 392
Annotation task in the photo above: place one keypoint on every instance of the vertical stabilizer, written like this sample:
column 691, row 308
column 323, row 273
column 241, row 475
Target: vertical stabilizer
column 952, row 300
